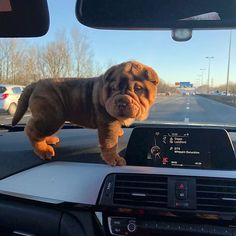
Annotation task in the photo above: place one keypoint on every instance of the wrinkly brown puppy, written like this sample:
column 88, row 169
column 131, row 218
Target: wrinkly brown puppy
column 124, row 93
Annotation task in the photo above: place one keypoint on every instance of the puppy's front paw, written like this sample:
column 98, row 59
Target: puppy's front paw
column 120, row 132
column 114, row 160
column 121, row 161
column 44, row 151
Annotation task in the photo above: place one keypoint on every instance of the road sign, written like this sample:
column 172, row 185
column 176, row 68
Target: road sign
column 185, row 85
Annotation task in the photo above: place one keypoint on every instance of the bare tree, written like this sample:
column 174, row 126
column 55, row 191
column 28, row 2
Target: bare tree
column 5, row 59
column 22, row 63
column 98, row 69
column 54, row 58
column 163, row 87
column 11, row 55
column 16, row 61
column 31, row 68
column 82, row 54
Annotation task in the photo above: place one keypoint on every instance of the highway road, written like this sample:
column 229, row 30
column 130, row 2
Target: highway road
column 6, row 119
column 192, row 109
column 181, row 109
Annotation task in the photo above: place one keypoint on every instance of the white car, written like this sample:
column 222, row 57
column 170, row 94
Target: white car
column 9, row 95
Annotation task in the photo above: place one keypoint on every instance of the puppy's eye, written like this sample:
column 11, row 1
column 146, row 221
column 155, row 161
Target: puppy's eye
column 138, row 88
column 114, row 88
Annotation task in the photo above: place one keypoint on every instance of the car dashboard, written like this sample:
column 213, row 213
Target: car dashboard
column 78, row 194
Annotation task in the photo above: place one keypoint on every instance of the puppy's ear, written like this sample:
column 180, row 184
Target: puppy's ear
column 151, row 75
column 107, row 77
column 108, row 74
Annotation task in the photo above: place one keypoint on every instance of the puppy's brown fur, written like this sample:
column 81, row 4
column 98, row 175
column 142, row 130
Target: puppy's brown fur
column 124, row 93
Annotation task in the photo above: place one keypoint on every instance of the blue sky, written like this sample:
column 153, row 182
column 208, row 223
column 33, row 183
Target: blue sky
column 174, row 61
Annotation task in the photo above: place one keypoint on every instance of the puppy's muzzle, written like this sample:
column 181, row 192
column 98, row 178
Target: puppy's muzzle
column 122, row 105
column 122, row 102
column 126, row 106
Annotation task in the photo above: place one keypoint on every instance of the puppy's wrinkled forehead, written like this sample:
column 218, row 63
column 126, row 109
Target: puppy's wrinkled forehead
column 133, row 70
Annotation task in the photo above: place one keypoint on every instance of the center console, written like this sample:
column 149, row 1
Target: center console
column 192, row 192
column 142, row 226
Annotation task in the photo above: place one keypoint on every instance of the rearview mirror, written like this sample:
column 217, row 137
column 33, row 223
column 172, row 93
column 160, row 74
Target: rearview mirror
column 157, row 14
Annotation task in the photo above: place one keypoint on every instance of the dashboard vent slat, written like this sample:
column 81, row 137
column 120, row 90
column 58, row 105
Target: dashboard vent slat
column 215, row 194
column 140, row 190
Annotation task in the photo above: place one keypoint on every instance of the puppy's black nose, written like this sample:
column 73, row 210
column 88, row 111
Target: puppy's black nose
column 122, row 105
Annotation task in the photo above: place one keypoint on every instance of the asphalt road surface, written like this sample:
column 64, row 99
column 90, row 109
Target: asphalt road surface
column 6, row 119
column 192, row 109
column 181, row 109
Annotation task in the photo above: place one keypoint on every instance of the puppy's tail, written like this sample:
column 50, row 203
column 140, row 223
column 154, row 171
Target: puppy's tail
column 23, row 103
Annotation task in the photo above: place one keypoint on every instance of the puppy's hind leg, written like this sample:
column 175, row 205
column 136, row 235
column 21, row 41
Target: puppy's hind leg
column 39, row 132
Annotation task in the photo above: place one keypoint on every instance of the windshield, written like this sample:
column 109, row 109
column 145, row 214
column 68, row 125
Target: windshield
column 197, row 77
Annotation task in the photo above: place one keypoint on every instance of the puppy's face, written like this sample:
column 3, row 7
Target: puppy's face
column 129, row 90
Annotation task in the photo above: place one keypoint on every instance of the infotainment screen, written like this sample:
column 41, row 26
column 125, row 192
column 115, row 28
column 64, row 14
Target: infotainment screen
column 178, row 149
column 197, row 148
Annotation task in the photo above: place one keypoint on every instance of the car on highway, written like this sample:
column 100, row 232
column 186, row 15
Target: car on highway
column 217, row 92
column 185, row 93
column 9, row 95
column 180, row 172
column 223, row 93
column 168, row 94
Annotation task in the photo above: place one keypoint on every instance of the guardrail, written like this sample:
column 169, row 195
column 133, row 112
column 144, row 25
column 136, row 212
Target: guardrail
column 230, row 100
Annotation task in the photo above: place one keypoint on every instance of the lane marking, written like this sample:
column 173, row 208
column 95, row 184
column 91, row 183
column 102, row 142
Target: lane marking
column 186, row 119
column 187, row 108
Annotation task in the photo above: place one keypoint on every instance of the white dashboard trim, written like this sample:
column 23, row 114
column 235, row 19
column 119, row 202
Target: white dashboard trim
column 58, row 182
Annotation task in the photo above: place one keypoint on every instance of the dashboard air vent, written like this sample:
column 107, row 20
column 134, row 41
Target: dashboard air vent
column 140, row 190
column 215, row 194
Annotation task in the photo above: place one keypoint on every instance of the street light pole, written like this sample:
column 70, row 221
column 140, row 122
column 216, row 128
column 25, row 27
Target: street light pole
column 209, row 72
column 198, row 80
column 202, row 70
column 228, row 68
